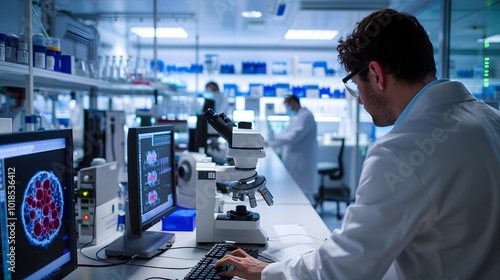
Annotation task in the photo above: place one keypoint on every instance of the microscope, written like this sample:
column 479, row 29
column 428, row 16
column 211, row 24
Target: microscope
column 245, row 147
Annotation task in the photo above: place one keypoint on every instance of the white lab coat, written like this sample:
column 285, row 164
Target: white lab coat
column 300, row 150
column 428, row 200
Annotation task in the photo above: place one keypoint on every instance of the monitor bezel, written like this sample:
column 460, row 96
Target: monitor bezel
column 67, row 134
column 136, row 227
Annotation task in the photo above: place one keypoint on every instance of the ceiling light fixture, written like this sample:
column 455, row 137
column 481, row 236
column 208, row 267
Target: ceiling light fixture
column 251, row 14
column 161, row 32
column 310, row 34
column 495, row 39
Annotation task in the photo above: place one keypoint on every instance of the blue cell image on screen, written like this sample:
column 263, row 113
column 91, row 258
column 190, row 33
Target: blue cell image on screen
column 41, row 210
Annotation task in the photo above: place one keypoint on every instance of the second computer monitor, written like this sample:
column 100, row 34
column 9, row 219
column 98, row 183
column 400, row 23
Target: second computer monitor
column 151, row 190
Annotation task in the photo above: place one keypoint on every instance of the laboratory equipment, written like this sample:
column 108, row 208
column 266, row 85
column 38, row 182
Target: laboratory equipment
column 97, row 202
column 186, row 183
column 245, row 147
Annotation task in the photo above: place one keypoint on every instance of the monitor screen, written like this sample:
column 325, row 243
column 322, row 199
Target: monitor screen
column 151, row 191
column 150, row 175
column 36, row 205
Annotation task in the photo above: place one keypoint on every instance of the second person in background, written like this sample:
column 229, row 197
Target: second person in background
column 299, row 146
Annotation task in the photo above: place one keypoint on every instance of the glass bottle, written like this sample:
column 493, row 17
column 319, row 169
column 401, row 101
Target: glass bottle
column 22, row 53
column 112, row 73
column 146, row 70
column 122, row 206
column 129, row 69
column 104, row 69
column 138, row 75
column 3, row 39
column 121, row 72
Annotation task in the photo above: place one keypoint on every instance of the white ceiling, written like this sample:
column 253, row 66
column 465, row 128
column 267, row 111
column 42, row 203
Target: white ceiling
column 218, row 24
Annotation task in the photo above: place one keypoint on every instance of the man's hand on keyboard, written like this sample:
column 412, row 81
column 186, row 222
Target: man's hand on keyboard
column 245, row 265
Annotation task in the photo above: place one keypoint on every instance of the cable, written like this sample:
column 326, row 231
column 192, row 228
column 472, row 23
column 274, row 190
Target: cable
column 105, row 265
column 113, row 154
column 158, row 277
column 158, row 267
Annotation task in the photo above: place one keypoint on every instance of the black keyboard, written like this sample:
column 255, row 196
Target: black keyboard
column 205, row 268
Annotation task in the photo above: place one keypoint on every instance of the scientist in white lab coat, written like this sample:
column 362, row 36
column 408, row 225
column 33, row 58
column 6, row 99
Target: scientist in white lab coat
column 428, row 201
column 299, row 146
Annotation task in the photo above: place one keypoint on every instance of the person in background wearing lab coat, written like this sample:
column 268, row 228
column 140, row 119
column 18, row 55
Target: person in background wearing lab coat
column 212, row 92
column 13, row 107
column 299, row 146
column 14, row 103
column 428, row 200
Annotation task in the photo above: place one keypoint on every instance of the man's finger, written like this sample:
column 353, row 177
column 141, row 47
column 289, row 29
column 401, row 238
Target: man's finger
column 239, row 253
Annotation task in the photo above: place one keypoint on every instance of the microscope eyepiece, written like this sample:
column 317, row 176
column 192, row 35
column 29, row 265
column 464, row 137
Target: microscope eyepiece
column 223, row 127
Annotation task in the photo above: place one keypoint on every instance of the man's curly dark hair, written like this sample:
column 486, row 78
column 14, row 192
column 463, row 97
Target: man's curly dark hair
column 395, row 40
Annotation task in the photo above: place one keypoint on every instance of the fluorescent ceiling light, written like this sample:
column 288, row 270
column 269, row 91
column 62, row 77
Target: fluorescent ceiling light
column 161, row 32
column 495, row 39
column 304, row 34
column 251, row 14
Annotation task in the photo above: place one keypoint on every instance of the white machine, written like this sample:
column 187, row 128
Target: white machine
column 97, row 202
column 245, row 146
column 186, row 183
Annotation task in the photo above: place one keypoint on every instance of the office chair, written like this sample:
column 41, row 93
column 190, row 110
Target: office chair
column 335, row 170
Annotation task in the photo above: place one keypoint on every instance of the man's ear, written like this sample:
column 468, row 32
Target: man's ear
column 378, row 74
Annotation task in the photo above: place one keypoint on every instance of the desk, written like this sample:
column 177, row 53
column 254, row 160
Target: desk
column 291, row 208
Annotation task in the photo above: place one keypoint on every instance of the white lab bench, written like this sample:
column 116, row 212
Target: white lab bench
column 291, row 208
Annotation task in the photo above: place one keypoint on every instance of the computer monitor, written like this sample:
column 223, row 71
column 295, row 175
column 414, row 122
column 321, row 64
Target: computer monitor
column 151, row 192
column 36, row 205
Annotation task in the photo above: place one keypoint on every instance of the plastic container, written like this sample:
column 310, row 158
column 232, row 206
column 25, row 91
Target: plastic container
column 39, row 51
column 22, row 53
column 183, row 219
column 54, row 43
column 39, row 55
column 39, row 40
column 50, row 59
column 53, row 54
column 122, row 206
column 68, row 64
column 3, row 40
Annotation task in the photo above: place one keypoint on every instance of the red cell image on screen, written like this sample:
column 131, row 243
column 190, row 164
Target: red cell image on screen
column 42, row 208
column 151, row 159
column 153, row 197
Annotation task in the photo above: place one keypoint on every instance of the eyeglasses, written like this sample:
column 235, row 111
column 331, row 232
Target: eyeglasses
column 351, row 87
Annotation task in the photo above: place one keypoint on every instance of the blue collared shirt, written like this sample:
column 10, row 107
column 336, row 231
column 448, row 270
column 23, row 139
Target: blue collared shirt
column 403, row 115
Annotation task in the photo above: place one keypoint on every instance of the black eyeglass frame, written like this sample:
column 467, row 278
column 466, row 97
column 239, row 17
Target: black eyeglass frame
column 350, row 76
column 351, row 91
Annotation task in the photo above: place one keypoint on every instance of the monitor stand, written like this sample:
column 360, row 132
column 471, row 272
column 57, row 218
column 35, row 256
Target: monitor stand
column 145, row 246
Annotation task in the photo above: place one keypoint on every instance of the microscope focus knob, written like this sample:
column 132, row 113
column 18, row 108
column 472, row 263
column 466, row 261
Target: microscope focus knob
column 245, row 125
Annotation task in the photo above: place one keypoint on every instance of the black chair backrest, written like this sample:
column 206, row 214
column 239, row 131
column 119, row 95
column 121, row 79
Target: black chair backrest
column 340, row 173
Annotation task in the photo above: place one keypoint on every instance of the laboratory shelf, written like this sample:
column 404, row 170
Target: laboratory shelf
column 13, row 74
